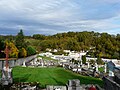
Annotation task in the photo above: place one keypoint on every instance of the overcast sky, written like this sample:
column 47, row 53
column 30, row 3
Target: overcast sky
column 56, row 16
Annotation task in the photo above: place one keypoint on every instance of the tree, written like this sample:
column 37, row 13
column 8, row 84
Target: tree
column 92, row 61
column 22, row 52
column 39, row 36
column 2, row 47
column 20, row 42
column 84, row 59
column 13, row 49
column 115, row 55
column 31, row 50
column 99, row 61
column 72, row 45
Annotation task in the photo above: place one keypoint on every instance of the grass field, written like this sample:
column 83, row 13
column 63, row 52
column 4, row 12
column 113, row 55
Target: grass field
column 50, row 76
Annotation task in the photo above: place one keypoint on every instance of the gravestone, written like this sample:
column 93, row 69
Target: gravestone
column 32, row 62
column 94, row 71
column 24, row 65
column 6, row 71
column 96, row 65
column 111, row 73
column 35, row 61
column 69, row 66
column 105, row 68
column 88, row 64
column 42, row 63
column 74, row 84
column 6, row 76
column 81, row 63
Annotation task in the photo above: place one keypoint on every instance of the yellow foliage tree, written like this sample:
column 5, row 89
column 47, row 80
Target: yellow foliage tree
column 23, row 52
column 13, row 49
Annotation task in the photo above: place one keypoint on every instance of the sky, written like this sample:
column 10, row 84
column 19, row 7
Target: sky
column 50, row 17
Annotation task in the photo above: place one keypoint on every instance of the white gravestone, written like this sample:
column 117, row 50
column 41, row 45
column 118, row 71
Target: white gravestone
column 88, row 65
column 24, row 65
column 105, row 68
column 96, row 65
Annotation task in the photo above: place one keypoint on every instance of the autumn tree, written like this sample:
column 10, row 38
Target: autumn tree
column 13, row 49
column 22, row 52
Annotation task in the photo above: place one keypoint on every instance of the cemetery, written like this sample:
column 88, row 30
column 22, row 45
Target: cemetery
column 22, row 74
column 41, row 71
column 60, row 45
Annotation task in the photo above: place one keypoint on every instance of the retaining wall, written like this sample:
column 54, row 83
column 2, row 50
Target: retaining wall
column 17, row 62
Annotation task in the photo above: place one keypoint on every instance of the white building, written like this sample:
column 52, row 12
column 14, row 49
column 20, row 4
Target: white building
column 66, row 51
column 47, row 54
column 89, row 58
column 74, row 55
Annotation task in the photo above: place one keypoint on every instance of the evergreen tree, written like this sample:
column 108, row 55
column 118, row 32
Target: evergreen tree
column 84, row 59
column 20, row 42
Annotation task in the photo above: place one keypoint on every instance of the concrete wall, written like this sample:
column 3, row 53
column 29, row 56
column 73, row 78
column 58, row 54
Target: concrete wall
column 17, row 62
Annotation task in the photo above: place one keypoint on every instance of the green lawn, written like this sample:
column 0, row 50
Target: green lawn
column 47, row 76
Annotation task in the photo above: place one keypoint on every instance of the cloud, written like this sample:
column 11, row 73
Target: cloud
column 56, row 16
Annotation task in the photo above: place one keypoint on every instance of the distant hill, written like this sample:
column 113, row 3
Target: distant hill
column 97, row 44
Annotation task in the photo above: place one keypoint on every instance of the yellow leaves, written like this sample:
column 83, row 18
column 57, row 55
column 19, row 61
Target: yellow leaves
column 100, row 54
column 13, row 49
column 23, row 52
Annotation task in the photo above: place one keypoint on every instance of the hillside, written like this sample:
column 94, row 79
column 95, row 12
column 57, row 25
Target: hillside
column 98, row 44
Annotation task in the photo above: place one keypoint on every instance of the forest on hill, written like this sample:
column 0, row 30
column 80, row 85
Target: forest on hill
column 101, row 45
column 97, row 44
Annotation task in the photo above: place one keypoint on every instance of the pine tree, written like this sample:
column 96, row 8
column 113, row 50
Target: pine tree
column 20, row 42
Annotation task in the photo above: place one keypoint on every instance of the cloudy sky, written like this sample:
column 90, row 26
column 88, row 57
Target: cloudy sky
column 56, row 16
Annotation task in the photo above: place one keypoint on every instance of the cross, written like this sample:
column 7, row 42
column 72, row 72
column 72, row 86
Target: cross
column 7, row 55
column 6, row 51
